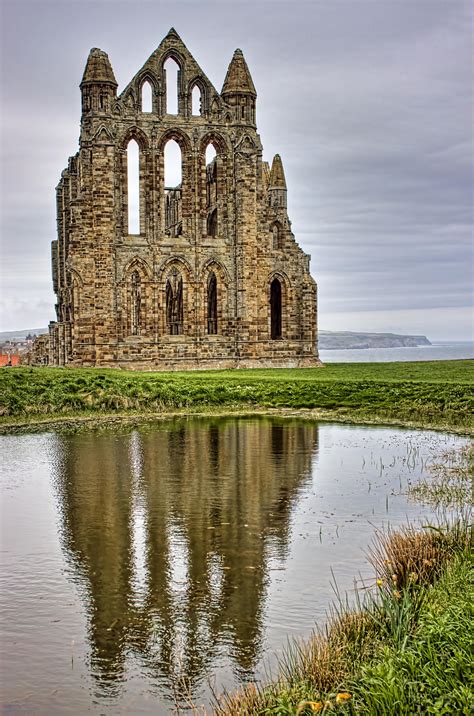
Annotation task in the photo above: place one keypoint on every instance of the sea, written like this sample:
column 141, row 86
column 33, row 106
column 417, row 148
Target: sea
column 436, row 351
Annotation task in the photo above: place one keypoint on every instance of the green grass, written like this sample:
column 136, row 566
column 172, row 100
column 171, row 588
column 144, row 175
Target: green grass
column 430, row 670
column 430, row 393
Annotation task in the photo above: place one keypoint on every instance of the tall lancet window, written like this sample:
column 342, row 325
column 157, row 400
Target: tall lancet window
column 173, row 168
column 133, row 187
column 135, row 304
column 275, row 309
column 212, row 304
column 174, row 303
column 196, row 101
column 211, row 190
column 171, row 69
column 147, row 97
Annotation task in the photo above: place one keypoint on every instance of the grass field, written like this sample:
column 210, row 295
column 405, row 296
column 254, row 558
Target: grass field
column 436, row 393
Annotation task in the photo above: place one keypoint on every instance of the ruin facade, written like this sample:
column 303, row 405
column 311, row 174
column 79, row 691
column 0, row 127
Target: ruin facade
column 202, row 274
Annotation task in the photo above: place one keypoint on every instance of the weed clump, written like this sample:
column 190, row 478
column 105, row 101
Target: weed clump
column 451, row 481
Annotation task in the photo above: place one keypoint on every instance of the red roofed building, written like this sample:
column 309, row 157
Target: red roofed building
column 9, row 359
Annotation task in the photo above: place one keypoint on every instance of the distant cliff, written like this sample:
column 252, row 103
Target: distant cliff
column 336, row 340
column 328, row 340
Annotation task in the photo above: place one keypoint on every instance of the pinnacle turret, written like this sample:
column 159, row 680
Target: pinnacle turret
column 238, row 79
column 98, row 85
column 277, row 185
column 238, row 90
column 98, row 69
column 277, row 174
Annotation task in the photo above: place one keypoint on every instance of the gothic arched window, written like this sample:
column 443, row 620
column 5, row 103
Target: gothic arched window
column 196, row 101
column 275, row 309
column 171, row 70
column 135, row 304
column 212, row 304
column 174, row 303
column 147, row 97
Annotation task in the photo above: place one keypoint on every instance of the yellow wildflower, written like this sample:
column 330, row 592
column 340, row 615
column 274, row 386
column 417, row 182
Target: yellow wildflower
column 379, row 582
column 343, row 697
column 315, row 706
column 397, row 594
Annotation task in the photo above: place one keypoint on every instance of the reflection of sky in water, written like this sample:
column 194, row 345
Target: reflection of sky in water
column 135, row 564
column 139, row 516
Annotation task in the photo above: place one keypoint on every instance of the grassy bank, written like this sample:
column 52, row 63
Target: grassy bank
column 406, row 650
column 436, row 393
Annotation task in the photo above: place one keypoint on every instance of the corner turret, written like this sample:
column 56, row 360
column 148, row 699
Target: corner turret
column 238, row 90
column 98, row 85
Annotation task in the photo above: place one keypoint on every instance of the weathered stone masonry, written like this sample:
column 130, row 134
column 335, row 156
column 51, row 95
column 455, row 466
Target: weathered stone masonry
column 214, row 278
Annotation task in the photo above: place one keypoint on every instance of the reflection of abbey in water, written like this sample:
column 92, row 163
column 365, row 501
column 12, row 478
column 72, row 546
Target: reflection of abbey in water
column 170, row 532
column 152, row 270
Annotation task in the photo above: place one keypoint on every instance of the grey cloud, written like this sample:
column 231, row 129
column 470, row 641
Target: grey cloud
column 369, row 104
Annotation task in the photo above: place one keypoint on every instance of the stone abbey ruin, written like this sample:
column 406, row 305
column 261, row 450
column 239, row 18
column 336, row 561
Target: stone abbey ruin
column 205, row 273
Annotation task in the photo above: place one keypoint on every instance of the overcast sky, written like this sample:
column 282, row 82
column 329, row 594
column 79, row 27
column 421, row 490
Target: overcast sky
column 369, row 103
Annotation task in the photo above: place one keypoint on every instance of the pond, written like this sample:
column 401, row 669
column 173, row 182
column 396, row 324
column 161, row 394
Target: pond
column 182, row 555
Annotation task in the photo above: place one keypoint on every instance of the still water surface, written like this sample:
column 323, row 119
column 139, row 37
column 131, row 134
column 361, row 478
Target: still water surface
column 184, row 552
